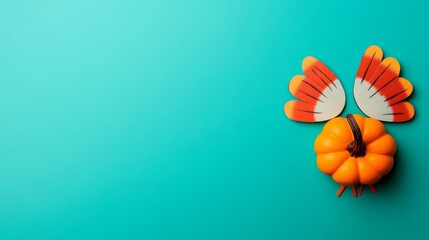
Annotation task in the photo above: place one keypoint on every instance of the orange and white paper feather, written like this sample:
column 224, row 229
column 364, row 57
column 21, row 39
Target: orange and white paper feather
column 320, row 95
column 379, row 91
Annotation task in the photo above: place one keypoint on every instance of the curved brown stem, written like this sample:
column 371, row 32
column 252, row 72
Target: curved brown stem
column 356, row 147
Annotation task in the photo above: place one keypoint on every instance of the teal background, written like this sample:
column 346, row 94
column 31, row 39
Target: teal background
column 164, row 120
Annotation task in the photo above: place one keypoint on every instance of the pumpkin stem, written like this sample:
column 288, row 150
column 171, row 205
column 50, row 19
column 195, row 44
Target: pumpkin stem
column 356, row 147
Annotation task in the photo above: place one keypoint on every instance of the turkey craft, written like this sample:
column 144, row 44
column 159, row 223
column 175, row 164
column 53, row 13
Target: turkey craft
column 353, row 150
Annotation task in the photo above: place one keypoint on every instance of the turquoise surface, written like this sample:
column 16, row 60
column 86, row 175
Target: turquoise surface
column 164, row 120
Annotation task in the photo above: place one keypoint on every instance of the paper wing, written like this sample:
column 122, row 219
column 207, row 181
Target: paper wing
column 320, row 95
column 379, row 91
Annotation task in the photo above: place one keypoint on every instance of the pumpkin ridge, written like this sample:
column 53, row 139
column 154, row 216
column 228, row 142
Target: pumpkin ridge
column 334, row 136
column 375, row 150
column 320, row 161
column 375, row 170
column 369, row 164
column 369, row 121
column 375, row 139
column 369, row 142
column 335, row 144
column 377, row 154
column 339, row 176
column 357, row 166
column 333, row 152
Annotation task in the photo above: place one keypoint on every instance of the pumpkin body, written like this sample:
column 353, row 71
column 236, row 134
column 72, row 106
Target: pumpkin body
column 334, row 158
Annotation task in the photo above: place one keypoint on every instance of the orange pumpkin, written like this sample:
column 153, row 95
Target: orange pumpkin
column 355, row 150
